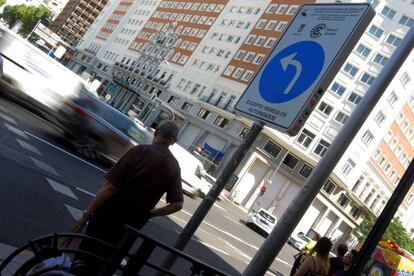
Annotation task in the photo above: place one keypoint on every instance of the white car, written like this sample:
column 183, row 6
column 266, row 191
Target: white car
column 192, row 172
column 262, row 222
column 298, row 240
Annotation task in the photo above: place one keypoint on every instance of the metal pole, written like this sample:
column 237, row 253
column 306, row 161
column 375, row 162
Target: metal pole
column 384, row 220
column 213, row 194
column 303, row 199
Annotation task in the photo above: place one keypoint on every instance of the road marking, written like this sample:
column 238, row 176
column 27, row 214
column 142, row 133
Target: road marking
column 62, row 150
column 214, row 248
column 225, row 232
column 218, row 206
column 7, row 118
column 232, row 220
column 16, row 131
column 76, row 213
column 42, row 165
column 28, row 147
column 86, row 192
column 63, row 189
column 5, row 110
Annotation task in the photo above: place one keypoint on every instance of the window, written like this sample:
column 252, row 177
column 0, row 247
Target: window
column 392, row 98
column 393, row 40
column 406, row 21
column 348, row 167
column 228, row 70
column 203, row 113
column 290, row 161
column 239, row 55
column 281, row 26
column 341, row 117
column 305, row 138
column 244, row 132
column 259, row 58
column 221, row 121
column 186, row 107
column 271, row 25
column 249, row 57
column 363, row 50
column 367, row 79
column 405, row 78
column 380, row 59
column 375, row 31
column 237, row 74
column 355, row 211
column 261, row 24
column 321, row 148
column 367, row 137
column 173, row 100
column 337, row 89
column 388, row 12
column 325, row 108
column 329, row 187
column 306, row 170
column 250, row 39
column 354, row 98
column 379, row 118
column 358, row 183
column 271, row 148
column 350, row 69
column 343, row 200
column 247, row 75
column 270, row 42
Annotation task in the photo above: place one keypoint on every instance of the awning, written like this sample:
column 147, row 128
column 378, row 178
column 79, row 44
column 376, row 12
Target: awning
column 210, row 150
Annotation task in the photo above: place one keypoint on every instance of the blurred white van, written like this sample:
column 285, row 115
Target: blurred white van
column 192, row 172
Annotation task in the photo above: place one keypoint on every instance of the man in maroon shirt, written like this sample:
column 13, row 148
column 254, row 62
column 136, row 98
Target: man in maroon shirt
column 135, row 185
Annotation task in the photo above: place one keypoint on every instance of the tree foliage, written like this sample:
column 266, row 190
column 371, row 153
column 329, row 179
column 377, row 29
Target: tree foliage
column 2, row 3
column 28, row 15
column 395, row 232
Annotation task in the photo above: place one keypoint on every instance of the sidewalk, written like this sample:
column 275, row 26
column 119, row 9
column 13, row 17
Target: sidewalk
column 5, row 251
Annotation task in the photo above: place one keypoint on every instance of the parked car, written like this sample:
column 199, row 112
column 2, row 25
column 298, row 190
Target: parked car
column 298, row 240
column 263, row 222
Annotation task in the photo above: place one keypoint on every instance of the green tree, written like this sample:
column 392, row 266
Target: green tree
column 395, row 232
column 2, row 3
column 28, row 15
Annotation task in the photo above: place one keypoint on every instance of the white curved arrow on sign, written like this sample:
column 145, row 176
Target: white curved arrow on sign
column 285, row 62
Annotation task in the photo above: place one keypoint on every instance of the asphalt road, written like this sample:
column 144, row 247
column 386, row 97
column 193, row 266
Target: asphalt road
column 44, row 186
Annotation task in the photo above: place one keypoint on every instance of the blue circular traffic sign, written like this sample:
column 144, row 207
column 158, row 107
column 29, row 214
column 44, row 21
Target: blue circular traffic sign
column 291, row 72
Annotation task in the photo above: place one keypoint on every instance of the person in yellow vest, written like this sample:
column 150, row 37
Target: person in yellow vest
column 305, row 251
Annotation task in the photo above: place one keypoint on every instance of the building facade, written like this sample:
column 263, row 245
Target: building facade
column 219, row 47
column 76, row 18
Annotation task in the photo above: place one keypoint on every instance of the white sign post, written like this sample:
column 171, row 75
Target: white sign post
column 302, row 65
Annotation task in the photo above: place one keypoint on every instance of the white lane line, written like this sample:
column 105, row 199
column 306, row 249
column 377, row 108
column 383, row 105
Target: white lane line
column 76, row 213
column 84, row 191
column 7, row 118
column 16, row 131
column 42, row 165
column 28, row 147
column 62, row 150
column 218, row 206
column 232, row 220
column 4, row 109
column 63, row 189
column 225, row 232
column 214, row 248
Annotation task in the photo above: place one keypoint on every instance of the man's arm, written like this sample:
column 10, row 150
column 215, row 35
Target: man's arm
column 167, row 209
column 107, row 191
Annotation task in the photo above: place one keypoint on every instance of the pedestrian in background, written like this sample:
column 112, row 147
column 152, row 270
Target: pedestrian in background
column 337, row 263
column 349, row 259
column 134, row 186
column 317, row 265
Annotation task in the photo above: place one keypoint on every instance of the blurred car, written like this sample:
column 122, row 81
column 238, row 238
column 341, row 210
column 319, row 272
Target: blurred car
column 211, row 181
column 97, row 130
column 262, row 222
column 298, row 240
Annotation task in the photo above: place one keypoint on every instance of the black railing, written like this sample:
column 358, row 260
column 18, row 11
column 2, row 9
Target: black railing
column 49, row 247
